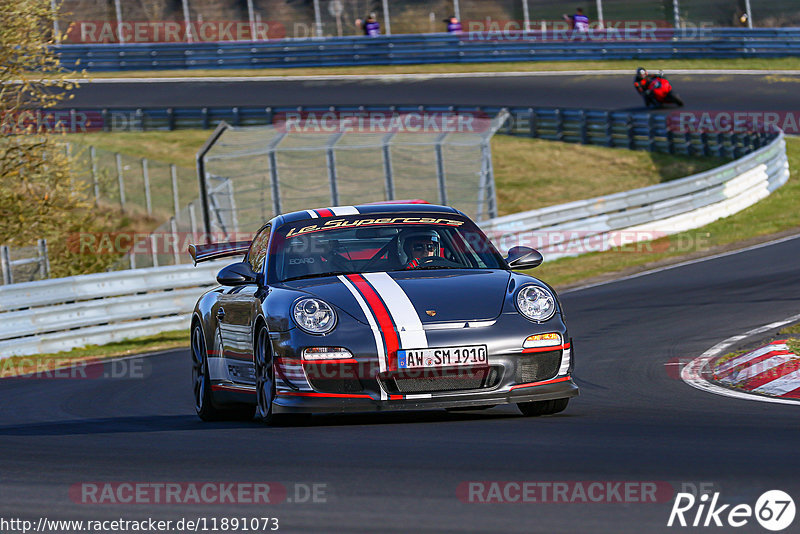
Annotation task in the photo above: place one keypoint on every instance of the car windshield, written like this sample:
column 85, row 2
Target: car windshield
column 383, row 242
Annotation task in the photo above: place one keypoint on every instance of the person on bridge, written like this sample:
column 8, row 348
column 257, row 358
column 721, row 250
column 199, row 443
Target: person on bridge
column 371, row 26
column 453, row 25
column 580, row 22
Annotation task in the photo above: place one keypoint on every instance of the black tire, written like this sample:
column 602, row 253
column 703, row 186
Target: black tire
column 201, row 383
column 265, row 384
column 265, row 376
column 675, row 98
column 537, row 408
column 204, row 403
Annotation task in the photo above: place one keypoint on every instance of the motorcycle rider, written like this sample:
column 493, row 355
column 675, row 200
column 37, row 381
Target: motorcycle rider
column 643, row 82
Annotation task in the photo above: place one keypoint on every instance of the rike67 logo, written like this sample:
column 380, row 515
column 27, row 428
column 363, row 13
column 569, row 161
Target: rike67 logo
column 774, row 510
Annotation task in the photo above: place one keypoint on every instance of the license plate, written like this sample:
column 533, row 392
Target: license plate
column 442, row 357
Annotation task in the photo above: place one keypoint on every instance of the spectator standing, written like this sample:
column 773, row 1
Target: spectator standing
column 580, row 22
column 453, row 25
column 371, row 26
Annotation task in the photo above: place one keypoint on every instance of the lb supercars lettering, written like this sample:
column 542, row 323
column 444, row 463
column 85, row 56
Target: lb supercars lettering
column 345, row 223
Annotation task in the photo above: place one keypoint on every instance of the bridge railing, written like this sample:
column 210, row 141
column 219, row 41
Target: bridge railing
column 468, row 47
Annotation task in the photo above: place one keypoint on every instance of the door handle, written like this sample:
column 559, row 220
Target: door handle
column 220, row 312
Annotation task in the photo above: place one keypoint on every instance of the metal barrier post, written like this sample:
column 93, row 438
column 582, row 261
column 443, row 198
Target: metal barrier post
column 44, row 260
column 440, row 170
column 153, row 250
column 193, row 220
column 95, row 183
column 121, row 181
column 387, row 165
column 5, row 264
column 173, row 170
column 331, row 159
column 173, row 228
column 146, row 177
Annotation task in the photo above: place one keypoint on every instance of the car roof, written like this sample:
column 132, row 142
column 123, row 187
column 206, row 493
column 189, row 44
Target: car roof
column 366, row 209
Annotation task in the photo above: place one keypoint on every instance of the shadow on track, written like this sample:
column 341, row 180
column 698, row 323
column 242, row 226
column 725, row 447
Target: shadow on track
column 189, row 422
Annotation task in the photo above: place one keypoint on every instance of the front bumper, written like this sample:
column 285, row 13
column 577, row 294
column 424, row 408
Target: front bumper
column 313, row 402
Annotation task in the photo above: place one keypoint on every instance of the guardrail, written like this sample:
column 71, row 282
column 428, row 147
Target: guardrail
column 633, row 130
column 60, row 314
column 469, row 47
column 648, row 213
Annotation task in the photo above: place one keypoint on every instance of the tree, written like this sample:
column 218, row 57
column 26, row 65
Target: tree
column 39, row 195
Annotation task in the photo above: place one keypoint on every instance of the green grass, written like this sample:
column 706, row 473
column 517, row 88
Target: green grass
column 792, row 329
column 779, row 212
column 533, row 173
column 17, row 365
column 794, row 345
column 529, row 173
column 787, row 63
column 178, row 146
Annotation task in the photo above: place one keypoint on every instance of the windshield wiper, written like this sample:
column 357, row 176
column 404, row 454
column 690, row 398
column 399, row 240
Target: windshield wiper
column 318, row 275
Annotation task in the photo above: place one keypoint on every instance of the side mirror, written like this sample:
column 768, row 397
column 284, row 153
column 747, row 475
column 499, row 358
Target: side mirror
column 523, row 258
column 236, row 274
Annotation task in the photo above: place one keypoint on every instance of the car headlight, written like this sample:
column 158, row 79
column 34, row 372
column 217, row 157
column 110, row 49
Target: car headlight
column 314, row 316
column 536, row 303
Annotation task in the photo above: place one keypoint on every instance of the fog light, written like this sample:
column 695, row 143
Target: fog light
column 327, row 353
column 542, row 340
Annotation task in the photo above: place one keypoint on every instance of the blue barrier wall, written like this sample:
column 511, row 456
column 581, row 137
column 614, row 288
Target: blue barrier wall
column 436, row 48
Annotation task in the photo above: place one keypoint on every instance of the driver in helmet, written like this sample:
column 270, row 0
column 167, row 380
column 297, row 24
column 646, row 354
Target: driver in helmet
column 419, row 245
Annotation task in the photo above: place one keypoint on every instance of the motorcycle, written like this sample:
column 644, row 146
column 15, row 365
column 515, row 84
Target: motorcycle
column 657, row 91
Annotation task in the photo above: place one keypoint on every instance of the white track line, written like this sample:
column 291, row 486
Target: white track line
column 423, row 76
column 692, row 373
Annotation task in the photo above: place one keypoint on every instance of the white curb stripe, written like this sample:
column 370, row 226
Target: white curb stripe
column 692, row 373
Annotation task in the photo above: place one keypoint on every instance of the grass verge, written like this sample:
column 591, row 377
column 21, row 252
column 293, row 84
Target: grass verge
column 787, row 63
column 45, row 364
column 780, row 212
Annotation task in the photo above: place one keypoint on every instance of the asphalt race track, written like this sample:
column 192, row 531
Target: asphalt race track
column 611, row 92
column 635, row 420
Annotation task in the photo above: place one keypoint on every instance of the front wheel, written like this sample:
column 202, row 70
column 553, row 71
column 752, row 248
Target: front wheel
column 548, row 407
column 265, row 376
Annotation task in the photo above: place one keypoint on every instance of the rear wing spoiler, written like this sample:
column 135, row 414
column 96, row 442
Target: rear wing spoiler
column 215, row 251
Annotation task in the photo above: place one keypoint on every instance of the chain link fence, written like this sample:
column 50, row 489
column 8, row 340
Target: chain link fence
column 24, row 264
column 255, row 173
column 137, row 185
column 95, row 21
